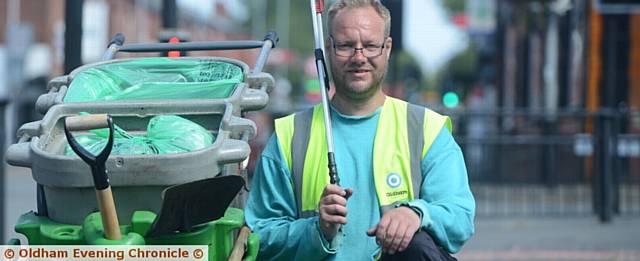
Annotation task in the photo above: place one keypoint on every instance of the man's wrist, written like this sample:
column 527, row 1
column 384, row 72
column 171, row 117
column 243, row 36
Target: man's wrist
column 330, row 245
column 415, row 210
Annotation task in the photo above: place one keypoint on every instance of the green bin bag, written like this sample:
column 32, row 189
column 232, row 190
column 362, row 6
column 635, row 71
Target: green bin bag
column 166, row 134
column 155, row 78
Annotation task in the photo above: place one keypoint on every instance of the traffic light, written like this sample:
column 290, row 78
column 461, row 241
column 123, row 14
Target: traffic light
column 450, row 99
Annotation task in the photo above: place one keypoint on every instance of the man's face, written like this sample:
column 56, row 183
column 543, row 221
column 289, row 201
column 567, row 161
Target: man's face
column 358, row 76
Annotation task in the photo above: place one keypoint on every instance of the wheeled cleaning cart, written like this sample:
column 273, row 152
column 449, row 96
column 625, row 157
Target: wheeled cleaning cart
column 211, row 92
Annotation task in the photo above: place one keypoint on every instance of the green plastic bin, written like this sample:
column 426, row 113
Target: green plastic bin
column 218, row 235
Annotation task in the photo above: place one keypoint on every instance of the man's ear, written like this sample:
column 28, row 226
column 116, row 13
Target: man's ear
column 388, row 44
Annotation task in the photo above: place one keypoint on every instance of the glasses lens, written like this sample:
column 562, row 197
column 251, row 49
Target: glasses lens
column 344, row 52
column 371, row 52
column 349, row 50
column 366, row 52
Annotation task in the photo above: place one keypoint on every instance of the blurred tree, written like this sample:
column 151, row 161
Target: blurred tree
column 463, row 66
column 404, row 76
column 404, row 67
column 454, row 6
column 299, row 30
column 459, row 74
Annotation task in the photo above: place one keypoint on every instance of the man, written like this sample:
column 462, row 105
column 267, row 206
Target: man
column 403, row 193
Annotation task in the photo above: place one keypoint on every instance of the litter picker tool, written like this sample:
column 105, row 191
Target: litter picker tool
column 317, row 7
column 97, row 163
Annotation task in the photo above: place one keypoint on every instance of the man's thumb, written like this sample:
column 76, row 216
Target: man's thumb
column 371, row 232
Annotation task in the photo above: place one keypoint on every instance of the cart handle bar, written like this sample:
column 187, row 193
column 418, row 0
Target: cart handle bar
column 117, row 45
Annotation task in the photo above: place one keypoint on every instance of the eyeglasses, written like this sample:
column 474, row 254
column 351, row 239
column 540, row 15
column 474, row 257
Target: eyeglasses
column 348, row 50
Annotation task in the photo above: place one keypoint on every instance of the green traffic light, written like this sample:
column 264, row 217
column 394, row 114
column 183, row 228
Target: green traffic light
column 450, row 99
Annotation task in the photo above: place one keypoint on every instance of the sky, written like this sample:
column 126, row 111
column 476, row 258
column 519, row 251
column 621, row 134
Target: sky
column 203, row 8
column 429, row 36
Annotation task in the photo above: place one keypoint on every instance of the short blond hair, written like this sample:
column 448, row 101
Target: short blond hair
column 340, row 5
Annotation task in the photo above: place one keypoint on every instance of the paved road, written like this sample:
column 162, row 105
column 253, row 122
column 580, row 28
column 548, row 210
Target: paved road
column 20, row 191
column 556, row 238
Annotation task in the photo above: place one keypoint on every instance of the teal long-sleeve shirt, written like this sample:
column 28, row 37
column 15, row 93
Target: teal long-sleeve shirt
column 446, row 205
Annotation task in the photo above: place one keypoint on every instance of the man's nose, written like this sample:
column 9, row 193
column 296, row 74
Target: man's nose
column 359, row 54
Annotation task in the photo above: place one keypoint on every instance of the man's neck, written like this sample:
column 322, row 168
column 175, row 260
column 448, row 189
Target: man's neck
column 363, row 107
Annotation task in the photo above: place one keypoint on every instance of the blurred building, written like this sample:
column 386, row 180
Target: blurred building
column 551, row 85
column 32, row 38
column 138, row 20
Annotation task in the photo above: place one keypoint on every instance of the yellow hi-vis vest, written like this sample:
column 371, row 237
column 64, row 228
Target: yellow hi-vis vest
column 403, row 136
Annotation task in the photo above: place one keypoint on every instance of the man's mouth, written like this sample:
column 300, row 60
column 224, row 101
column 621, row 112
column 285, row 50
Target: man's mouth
column 357, row 71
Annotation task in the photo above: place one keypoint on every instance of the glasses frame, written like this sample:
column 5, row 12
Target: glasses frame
column 354, row 50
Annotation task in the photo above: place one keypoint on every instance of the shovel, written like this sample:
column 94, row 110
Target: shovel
column 241, row 244
column 190, row 204
column 97, row 163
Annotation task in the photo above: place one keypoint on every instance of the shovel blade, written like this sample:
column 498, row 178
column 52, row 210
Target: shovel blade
column 194, row 203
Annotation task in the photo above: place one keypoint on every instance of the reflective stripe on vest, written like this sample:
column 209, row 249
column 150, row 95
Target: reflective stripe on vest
column 403, row 136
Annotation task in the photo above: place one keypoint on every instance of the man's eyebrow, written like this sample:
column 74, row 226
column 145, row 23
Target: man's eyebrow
column 343, row 41
column 367, row 41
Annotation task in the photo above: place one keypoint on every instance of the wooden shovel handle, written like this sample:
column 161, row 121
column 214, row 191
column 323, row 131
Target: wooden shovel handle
column 108, row 213
column 240, row 245
column 87, row 122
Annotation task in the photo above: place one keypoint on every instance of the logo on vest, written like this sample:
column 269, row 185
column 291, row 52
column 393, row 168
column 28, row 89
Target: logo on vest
column 394, row 180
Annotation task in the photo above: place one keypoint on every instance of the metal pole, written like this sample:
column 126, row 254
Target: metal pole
column 282, row 23
column 396, row 10
column 169, row 14
column 604, row 188
column 317, row 7
column 73, row 35
column 607, row 139
column 270, row 41
column 3, row 197
column 548, row 157
column 616, row 160
column 12, row 84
